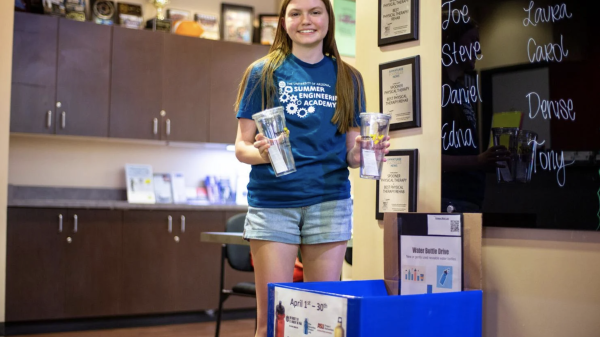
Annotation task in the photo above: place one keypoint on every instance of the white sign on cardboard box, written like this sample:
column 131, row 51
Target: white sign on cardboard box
column 301, row 313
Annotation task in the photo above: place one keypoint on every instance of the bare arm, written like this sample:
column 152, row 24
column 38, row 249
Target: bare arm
column 250, row 147
column 490, row 159
column 353, row 147
column 353, row 140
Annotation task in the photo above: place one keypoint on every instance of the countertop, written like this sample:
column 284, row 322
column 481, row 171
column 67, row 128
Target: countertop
column 59, row 197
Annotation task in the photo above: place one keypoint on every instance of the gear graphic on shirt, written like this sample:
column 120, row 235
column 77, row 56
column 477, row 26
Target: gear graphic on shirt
column 292, row 109
column 302, row 112
column 282, row 84
column 299, row 102
column 311, row 109
column 288, row 89
column 294, row 99
column 280, row 91
column 284, row 97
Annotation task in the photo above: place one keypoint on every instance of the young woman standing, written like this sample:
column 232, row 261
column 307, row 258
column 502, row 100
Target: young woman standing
column 322, row 97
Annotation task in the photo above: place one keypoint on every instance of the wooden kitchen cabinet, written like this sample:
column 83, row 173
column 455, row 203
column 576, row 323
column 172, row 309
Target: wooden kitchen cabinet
column 34, row 73
column 173, row 271
column 35, row 264
column 57, row 271
column 148, row 263
column 79, row 78
column 229, row 60
column 199, row 265
column 92, row 258
column 186, row 88
column 137, row 84
column 60, row 81
column 83, row 79
column 197, row 262
column 112, row 262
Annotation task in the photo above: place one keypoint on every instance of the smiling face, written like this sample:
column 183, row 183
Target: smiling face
column 306, row 23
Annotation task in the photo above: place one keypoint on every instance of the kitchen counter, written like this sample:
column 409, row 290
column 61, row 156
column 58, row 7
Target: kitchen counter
column 59, row 197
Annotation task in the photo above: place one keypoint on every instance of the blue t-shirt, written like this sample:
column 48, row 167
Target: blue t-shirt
column 307, row 94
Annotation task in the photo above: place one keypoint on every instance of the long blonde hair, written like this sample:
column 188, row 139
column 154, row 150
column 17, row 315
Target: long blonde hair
column 348, row 84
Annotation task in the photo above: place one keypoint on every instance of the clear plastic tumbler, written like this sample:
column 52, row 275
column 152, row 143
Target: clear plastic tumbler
column 374, row 128
column 271, row 124
column 508, row 138
column 526, row 144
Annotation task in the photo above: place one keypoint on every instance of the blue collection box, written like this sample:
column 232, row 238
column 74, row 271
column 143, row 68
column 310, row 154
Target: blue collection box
column 364, row 309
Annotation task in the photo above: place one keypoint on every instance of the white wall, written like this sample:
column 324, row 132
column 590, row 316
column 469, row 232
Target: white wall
column 368, row 233
column 537, row 283
column 6, row 28
column 99, row 163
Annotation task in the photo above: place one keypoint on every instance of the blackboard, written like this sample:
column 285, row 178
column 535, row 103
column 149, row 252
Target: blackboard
column 532, row 67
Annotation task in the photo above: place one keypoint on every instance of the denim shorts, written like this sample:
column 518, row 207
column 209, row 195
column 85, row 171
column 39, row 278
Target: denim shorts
column 329, row 221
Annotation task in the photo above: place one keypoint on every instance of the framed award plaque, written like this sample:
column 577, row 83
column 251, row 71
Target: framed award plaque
column 398, row 21
column 399, row 92
column 397, row 188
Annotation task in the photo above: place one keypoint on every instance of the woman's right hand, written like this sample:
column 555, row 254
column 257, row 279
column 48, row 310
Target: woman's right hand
column 262, row 144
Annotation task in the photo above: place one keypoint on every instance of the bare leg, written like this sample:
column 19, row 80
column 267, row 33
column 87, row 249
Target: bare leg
column 273, row 263
column 323, row 262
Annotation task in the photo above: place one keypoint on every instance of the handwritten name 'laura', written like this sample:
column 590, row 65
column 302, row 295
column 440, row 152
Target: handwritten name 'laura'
column 553, row 13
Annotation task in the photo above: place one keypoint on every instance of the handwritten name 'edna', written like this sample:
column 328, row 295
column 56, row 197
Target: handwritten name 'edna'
column 457, row 138
column 554, row 13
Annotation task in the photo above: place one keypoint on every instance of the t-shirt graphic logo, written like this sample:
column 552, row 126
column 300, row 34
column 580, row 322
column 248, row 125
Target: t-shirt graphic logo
column 293, row 105
column 301, row 98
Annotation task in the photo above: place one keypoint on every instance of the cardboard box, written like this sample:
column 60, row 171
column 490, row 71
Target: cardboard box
column 364, row 309
column 472, row 233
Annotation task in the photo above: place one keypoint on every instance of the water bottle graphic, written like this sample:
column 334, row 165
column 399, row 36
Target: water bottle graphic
column 306, row 326
column 339, row 330
column 280, row 320
column 444, row 276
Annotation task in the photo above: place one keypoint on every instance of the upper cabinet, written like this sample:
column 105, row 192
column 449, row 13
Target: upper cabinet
column 186, row 88
column 80, row 78
column 34, row 73
column 136, row 90
column 61, row 77
column 229, row 61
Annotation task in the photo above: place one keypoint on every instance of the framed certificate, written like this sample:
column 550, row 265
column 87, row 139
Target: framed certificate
column 399, row 92
column 398, row 21
column 397, row 187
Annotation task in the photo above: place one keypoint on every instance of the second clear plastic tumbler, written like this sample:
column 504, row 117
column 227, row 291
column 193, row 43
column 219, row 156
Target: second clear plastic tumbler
column 374, row 128
column 271, row 124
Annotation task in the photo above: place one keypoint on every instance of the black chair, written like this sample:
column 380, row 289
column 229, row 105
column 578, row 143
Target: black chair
column 238, row 257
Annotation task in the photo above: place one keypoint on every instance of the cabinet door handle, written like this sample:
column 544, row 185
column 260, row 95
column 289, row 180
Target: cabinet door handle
column 75, row 222
column 155, row 126
column 49, row 119
column 63, row 120
column 182, row 224
column 170, row 226
column 168, row 127
column 60, row 223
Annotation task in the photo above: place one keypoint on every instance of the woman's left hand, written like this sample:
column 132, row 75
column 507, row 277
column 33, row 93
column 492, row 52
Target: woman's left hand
column 354, row 154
